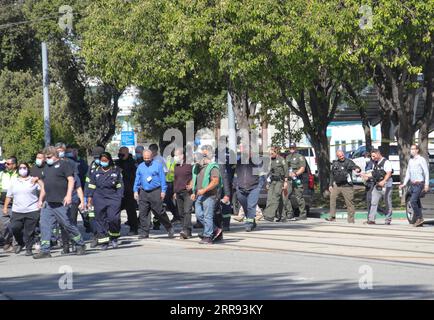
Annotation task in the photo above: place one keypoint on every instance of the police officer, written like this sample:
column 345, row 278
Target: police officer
column 382, row 176
column 296, row 167
column 278, row 181
column 341, row 182
column 105, row 194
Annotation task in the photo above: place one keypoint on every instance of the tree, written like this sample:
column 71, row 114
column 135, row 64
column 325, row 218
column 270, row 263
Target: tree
column 398, row 48
column 143, row 54
column 92, row 106
column 21, row 109
column 19, row 49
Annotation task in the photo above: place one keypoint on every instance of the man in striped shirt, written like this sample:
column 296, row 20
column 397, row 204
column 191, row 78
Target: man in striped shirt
column 418, row 175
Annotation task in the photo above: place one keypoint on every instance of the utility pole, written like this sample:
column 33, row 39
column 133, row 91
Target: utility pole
column 46, row 82
column 232, row 139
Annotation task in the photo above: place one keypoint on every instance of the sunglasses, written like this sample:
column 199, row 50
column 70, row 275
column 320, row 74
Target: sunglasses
column 9, row 163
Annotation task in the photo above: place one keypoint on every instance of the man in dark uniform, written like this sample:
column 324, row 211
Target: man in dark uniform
column 94, row 165
column 128, row 167
column 296, row 167
column 341, row 182
column 278, row 181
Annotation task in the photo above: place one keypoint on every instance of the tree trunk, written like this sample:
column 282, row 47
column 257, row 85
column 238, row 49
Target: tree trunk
column 320, row 143
column 385, row 133
column 367, row 130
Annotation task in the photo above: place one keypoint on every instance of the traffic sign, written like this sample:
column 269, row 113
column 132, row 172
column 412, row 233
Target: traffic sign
column 127, row 138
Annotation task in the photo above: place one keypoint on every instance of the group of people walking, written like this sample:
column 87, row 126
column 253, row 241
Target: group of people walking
column 43, row 201
column 377, row 175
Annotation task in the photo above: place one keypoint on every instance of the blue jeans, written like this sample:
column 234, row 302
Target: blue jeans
column 415, row 191
column 51, row 214
column 204, row 209
column 249, row 200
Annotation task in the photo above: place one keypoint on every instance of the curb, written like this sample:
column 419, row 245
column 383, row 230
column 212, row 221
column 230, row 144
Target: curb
column 399, row 215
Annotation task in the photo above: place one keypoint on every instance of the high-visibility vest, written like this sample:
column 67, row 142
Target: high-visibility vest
column 170, row 175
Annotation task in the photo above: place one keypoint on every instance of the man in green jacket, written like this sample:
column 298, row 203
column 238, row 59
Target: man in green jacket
column 206, row 187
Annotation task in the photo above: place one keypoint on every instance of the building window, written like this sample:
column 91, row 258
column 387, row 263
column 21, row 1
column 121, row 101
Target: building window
column 344, row 145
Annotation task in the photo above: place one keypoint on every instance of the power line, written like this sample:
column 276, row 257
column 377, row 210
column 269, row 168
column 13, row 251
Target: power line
column 19, row 23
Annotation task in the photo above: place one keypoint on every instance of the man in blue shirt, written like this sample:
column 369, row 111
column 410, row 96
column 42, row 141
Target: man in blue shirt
column 149, row 190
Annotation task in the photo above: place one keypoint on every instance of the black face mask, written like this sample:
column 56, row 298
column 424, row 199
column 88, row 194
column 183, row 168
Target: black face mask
column 121, row 156
column 148, row 163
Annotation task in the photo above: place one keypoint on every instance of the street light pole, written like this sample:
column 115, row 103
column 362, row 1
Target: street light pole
column 46, row 82
column 231, row 126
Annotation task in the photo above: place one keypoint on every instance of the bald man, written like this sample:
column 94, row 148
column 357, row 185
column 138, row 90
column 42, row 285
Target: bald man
column 341, row 182
column 151, row 182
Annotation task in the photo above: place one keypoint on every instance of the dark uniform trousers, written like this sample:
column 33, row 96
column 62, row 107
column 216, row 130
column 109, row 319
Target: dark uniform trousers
column 151, row 200
column 107, row 217
column 274, row 200
column 130, row 205
column 185, row 205
column 168, row 201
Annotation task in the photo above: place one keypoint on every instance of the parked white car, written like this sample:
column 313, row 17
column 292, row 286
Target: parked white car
column 359, row 159
column 311, row 160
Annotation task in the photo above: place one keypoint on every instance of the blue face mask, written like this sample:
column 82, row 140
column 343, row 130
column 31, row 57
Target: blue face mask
column 97, row 162
column 50, row 162
column 104, row 164
column 69, row 155
column 39, row 162
column 139, row 156
column 61, row 154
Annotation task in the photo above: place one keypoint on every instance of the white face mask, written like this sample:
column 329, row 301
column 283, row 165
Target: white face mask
column 177, row 159
column 23, row 172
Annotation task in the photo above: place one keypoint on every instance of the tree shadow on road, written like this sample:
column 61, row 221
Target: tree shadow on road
column 157, row 284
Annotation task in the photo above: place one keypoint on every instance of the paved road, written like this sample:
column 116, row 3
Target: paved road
column 311, row 259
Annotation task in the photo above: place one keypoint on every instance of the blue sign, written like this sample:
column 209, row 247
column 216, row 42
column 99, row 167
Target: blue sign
column 127, row 138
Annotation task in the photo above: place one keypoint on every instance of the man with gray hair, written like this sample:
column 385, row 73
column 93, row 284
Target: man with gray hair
column 59, row 184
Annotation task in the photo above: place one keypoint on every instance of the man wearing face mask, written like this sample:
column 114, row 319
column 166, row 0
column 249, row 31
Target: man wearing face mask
column 128, row 168
column 138, row 157
column 417, row 175
column 59, row 185
column 151, row 182
column 38, row 169
column 6, row 178
column 206, row 186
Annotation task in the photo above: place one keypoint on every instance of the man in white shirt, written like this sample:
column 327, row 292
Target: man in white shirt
column 418, row 175
column 382, row 176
